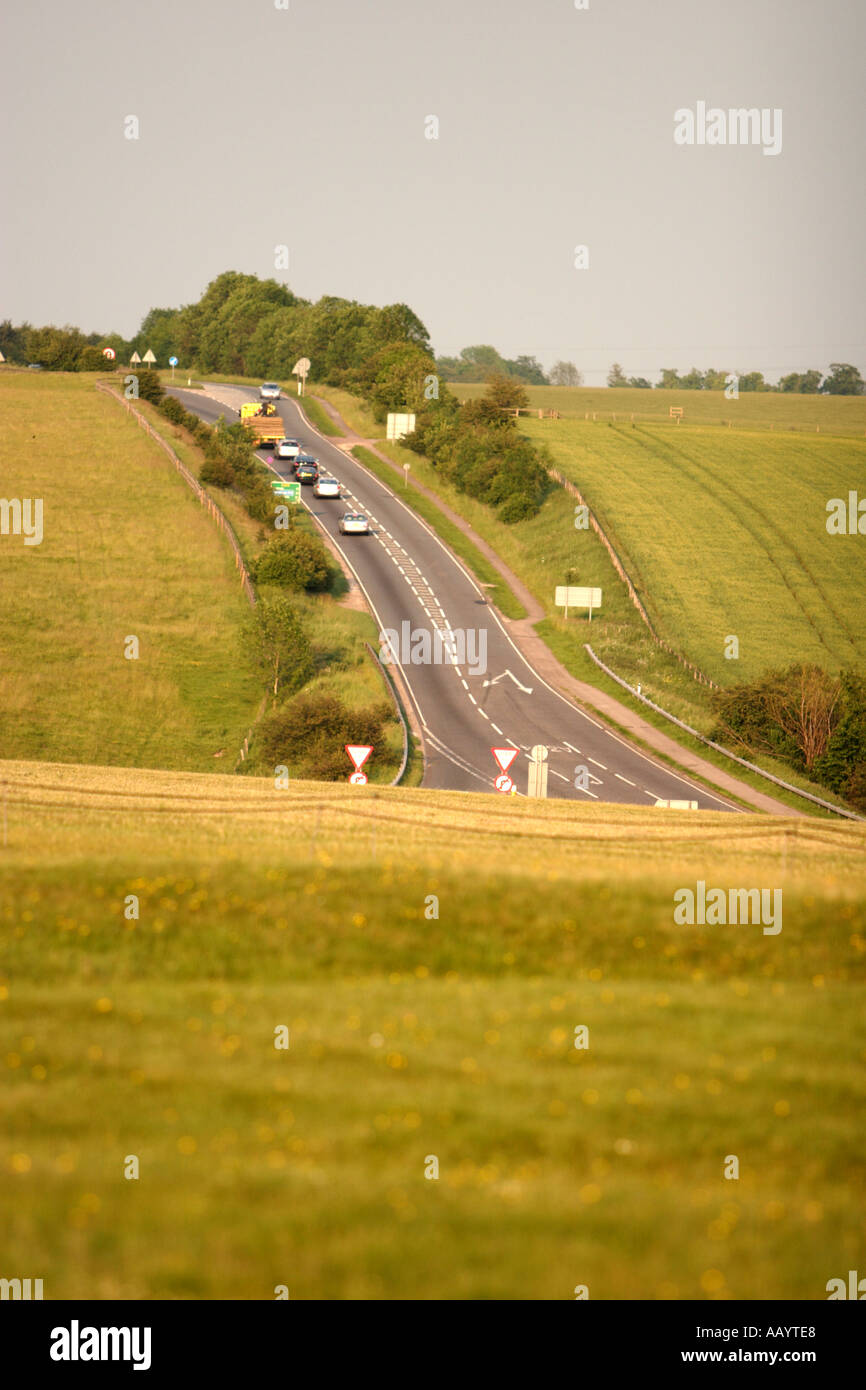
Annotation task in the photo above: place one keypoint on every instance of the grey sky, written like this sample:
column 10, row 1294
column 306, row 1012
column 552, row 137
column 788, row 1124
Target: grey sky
column 307, row 127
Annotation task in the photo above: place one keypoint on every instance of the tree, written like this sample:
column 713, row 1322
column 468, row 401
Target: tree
column 278, row 645
column 526, row 369
column 692, row 381
column 714, row 380
column 752, row 381
column 565, row 374
column 616, row 376
column 670, row 381
column 640, row 382
column 58, row 349
column 804, row 383
column 503, row 394
column 843, row 380
column 804, row 707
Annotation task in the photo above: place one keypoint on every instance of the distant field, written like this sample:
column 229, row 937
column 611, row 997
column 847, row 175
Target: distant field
column 724, row 534
column 127, row 550
column 411, row 1037
column 753, row 409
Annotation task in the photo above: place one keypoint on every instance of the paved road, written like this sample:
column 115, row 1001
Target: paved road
column 489, row 696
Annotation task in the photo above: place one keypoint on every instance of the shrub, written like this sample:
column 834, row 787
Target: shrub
column 149, row 387
column 294, row 560
column 518, row 507
column 217, row 472
column 311, row 731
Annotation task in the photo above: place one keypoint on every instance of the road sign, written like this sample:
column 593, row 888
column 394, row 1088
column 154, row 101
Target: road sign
column 291, row 491
column 300, row 369
column 172, row 361
column 109, row 353
column 358, row 779
column 148, row 356
column 539, row 754
column 359, row 753
column 574, row 596
column 399, row 424
column 504, row 783
column 134, row 358
column 505, row 756
column 678, row 805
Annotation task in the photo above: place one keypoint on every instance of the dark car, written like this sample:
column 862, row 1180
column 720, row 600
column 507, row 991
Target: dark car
column 307, row 472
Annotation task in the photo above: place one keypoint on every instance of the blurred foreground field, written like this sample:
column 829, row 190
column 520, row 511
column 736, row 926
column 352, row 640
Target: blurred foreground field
column 412, row 1037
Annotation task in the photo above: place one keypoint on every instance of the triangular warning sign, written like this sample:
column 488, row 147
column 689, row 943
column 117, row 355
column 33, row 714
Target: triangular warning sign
column 505, row 756
column 359, row 753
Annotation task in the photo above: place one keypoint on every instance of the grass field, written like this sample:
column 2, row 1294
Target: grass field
column 127, row 550
column 756, row 410
column 413, row 1037
column 723, row 532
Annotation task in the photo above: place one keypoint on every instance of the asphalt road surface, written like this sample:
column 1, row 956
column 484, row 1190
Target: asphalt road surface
column 489, row 696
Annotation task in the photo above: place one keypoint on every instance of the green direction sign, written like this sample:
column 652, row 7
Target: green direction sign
column 290, row 491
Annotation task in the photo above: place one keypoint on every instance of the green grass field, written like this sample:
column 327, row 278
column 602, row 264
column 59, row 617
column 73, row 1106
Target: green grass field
column 413, row 1037
column 127, row 550
column 756, row 410
column 723, row 533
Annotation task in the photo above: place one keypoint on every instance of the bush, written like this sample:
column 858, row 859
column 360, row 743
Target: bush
column 294, row 560
column 149, row 387
column 311, row 731
column 90, row 359
column 217, row 472
column 173, row 410
column 518, row 507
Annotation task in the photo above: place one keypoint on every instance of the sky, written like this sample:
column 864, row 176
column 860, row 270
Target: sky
column 308, row 127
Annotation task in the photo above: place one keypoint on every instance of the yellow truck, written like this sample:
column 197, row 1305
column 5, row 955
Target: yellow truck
column 262, row 422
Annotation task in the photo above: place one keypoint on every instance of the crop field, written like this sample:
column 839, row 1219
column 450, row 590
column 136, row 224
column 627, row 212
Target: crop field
column 418, row 1040
column 724, row 534
column 756, row 410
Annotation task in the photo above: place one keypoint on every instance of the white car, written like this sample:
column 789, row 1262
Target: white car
column 288, row 448
column 354, row 524
column 327, row 487
column 269, row 391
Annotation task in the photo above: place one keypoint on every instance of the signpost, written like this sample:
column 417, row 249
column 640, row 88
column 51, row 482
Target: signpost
column 568, row 596
column 300, row 369
column 109, row 353
column 676, row 413
column 400, row 423
column 505, row 757
column 538, row 771
column 149, row 358
column 406, row 468
column 359, row 753
column 134, row 359
column 172, row 362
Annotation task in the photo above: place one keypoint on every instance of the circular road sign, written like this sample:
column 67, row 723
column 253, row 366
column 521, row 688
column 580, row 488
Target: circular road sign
column 539, row 753
column 358, row 779
column 503, row 782
column 172, row 361
column 109, row 353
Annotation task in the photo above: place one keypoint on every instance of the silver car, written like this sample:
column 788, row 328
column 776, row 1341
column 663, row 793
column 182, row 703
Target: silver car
column 327, row 487
column 288, row 448
column 269, row 391
column 354, row 524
